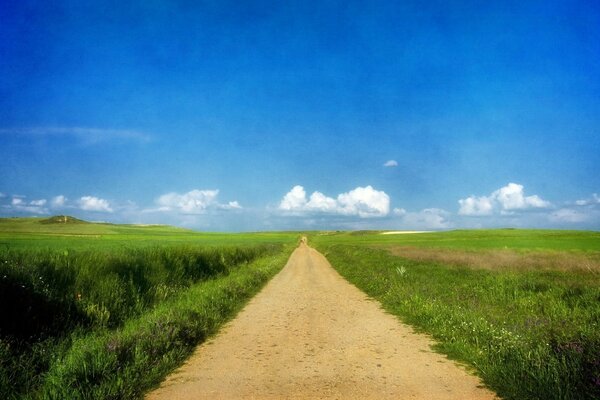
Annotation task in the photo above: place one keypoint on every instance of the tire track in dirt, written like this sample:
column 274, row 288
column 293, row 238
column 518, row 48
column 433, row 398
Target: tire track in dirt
column 310, row 334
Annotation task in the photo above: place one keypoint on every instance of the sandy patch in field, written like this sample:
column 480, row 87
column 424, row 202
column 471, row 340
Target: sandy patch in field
column 503, row 259
column 402, row 232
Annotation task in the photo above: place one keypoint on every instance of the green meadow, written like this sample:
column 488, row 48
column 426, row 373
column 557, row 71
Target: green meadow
column 106, row 311
column 97, row 311
column 53, row 233
column 521, row 308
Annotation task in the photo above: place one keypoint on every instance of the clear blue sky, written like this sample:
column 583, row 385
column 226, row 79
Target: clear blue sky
column 140, row 111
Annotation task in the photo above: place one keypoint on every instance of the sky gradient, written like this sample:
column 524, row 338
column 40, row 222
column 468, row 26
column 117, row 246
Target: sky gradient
column 211, row 114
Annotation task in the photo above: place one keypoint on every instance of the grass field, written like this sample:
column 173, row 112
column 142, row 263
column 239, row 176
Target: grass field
column 519, row 307
column 105, row 311
column 27, row 233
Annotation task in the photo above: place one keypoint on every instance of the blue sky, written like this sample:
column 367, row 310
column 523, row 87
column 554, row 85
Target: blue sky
column 211, row 114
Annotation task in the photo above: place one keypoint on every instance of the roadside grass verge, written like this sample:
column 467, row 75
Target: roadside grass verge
column 532, row 334
column 124, row 363
column 69, row 313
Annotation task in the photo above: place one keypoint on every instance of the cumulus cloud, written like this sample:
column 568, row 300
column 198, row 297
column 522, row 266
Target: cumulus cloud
column 363, row 202
column 19, row 204
column 568, row 215
column 232, row 205
column 319, row 202
column 399, row 211
column 476, row 206
column 295, row 199
column 91, row 203
column 595, row 199
column 391, row 163
column 193, row 202
column 429, row 218
column 507, row 199
column 511, row 197
column 58, row 201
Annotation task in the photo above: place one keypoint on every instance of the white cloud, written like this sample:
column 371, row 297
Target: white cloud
column 399, row 211
column 511, row 197
column 86, row 134
column 19, row 204
column 366, row 202
column 295, row 199
column 91, row 203
column 595, row 199
column 193, row 202
column 319, row 202
column 429, row 218
column 476, row 206
column 58, row 201
column 391, row 163
column 506, row 200
column 363, row 202
column 232, row 205
column 568, row 215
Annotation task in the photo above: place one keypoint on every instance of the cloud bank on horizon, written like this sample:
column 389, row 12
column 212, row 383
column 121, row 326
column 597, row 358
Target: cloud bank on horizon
column 361, row 207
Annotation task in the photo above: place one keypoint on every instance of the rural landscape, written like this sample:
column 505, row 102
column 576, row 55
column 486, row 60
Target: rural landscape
column 101, row 311
column 236, row 200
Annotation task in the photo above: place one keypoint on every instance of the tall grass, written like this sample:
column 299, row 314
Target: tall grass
column 123, row 363
column 54, row 302
column 529, row 334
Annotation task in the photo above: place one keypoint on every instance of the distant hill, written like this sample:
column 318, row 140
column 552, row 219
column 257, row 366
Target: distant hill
column 65, row 225
column 62, row 219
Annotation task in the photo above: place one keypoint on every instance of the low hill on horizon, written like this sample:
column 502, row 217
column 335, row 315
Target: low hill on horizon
column 66, row 224
column 63, row 219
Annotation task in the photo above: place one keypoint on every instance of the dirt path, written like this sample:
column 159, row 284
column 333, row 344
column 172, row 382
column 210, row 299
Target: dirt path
column 310, row 334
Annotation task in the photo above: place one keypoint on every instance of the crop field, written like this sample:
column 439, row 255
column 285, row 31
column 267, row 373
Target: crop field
column 521, row 308
column 106, row 311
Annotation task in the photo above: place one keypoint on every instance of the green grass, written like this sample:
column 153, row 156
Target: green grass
column 530, row 334
column 517, row 239
column 124, row 363
column 105, row 311
column 33, row 233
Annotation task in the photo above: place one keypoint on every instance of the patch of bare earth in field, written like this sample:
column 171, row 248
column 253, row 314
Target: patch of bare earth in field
column 503, row 259
column 309, row 334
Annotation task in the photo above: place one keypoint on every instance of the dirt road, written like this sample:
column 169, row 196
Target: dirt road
column 310, row 334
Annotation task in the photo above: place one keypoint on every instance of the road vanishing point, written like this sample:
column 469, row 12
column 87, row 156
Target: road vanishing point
column 309, row 334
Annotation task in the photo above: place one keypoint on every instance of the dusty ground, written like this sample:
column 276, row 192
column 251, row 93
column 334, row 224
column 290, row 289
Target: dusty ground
column 402, row 232
column 310, row 334
column 504, row 259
